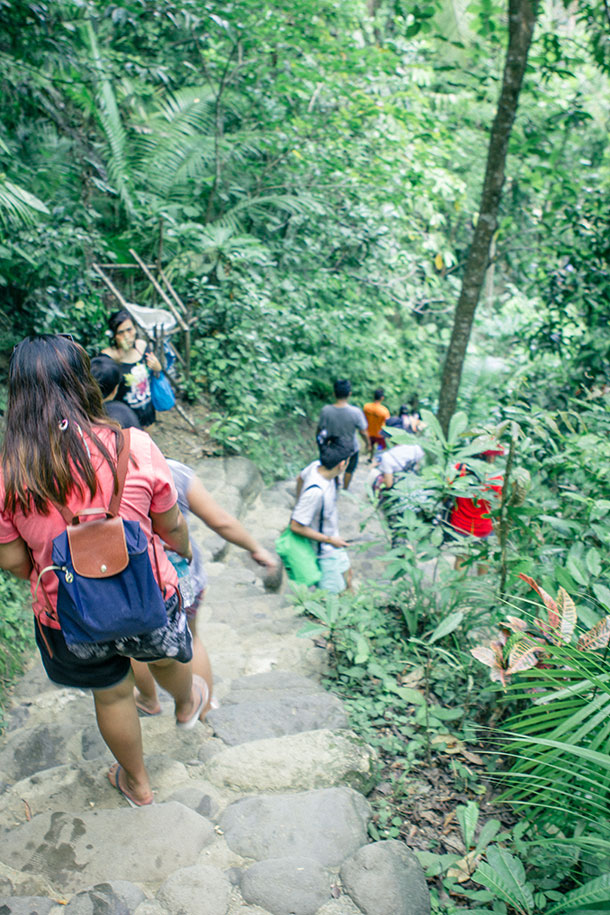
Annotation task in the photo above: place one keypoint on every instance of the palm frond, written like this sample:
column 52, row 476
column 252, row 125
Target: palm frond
column 19, row 206
column 559, row 747
column 263, row 206
column 110, row 121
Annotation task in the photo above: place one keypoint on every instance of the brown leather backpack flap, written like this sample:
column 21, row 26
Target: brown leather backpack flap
column 98, row 548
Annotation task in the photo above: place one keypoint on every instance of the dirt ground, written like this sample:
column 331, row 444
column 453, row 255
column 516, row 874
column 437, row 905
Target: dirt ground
column 180, row 439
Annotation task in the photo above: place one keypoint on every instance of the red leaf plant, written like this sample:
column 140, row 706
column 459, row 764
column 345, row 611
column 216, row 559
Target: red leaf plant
column 510, row 655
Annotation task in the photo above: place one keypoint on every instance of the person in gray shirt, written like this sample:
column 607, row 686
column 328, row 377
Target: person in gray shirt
column 341, row 419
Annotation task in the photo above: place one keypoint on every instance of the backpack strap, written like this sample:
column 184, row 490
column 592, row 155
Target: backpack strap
column 121, row 472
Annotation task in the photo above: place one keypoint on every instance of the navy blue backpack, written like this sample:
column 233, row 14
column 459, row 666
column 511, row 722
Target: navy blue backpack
column 107, row 589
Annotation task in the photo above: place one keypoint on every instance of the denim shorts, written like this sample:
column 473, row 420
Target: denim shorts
column 332, row 566
column 99, row 665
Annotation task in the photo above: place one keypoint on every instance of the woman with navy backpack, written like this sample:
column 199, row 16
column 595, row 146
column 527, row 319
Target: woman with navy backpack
column 63, row 458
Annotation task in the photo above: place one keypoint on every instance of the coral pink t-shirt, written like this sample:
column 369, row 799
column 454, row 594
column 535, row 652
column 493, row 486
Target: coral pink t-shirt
column 149, row 487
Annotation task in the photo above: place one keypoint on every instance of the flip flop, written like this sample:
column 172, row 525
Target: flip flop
column 192, row 721
column 145, row 713
column 113, row 778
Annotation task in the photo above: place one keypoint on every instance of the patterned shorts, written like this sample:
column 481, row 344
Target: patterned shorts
column 98, row 665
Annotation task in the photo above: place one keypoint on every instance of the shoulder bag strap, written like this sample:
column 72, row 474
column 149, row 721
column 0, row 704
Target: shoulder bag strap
column 321, row 524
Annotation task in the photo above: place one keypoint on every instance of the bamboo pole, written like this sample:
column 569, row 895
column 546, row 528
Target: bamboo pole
column 160, row 290
column 187, row 331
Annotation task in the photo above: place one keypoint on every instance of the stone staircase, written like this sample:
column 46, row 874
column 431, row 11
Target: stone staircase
column 262, row 810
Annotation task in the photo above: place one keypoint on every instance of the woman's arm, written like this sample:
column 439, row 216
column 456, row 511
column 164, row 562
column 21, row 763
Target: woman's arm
column 202, row 504
column 171, row 527
column 14, row 558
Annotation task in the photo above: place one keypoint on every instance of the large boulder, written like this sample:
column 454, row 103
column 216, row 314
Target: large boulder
column 385, row 878
column 327, row 825
column 299, row 762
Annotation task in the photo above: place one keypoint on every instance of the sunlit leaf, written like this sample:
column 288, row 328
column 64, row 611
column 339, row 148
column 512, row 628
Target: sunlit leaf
column 549, row 603
column 523, row 656
column 597, row 637
column 567, row 610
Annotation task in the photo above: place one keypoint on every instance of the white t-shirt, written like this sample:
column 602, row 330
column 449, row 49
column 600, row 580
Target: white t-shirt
column 397, row 458
column 317, row 505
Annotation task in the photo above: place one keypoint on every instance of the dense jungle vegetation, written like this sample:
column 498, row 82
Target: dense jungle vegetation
column 308, row 173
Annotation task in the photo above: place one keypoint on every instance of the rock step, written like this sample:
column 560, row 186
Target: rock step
column 259, row 811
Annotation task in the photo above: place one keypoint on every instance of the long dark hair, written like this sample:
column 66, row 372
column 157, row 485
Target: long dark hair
column 53, row 402
column 116, row 319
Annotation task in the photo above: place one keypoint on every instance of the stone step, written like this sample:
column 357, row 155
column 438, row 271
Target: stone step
column 259, row 811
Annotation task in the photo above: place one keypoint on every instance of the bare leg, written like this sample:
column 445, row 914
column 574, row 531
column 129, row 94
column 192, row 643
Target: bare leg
column 349, row 576
column 119, row 725
column 146, row 694
column 201, row 665
column 177, row 679
column 347, row 479
column 146, row 690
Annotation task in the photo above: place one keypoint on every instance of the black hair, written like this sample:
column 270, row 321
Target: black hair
column 106, row 373
column 119, row 317
column 404, row 410
column 342, row 388
column 335, row 449
column 378, row 394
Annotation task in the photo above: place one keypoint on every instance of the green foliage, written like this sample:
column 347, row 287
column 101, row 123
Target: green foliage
column 16, row 631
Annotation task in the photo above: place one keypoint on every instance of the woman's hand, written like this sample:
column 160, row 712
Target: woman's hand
column 153, row 363
column 263, row 558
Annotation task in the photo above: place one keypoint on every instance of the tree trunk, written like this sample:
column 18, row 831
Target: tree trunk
column 521, row 20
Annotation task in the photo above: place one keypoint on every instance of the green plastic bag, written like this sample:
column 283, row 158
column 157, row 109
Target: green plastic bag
column 299, row 557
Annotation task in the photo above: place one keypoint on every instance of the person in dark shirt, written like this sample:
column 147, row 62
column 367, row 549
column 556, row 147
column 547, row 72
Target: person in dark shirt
column 106, row 373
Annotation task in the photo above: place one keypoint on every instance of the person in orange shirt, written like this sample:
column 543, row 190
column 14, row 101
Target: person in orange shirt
column 376, row 415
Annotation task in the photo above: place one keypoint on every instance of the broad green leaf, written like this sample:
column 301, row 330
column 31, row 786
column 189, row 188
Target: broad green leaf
column 448, row 625
column 594, row 563
column 433, row 425
column 468, row 817
column 362, row 648
column 488, row 831
column 600, row 509
column 597, row 890
column 458, row 425
column 309, row 630
column 411, row 696
column 577, row 570
column 602, row 593
column 504, row 874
